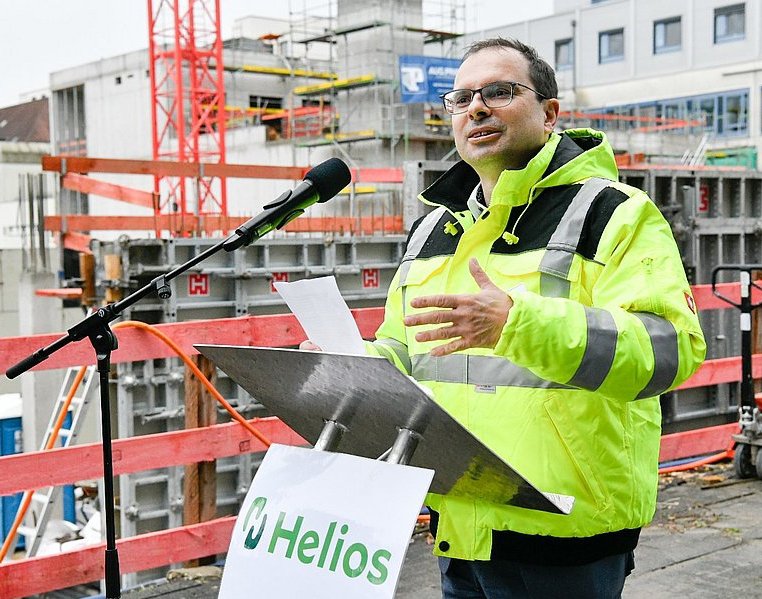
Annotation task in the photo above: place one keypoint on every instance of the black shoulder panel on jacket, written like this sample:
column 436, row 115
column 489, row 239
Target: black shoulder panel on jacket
column 413, row 227
column 597, row 218
column 452, row 189
column 566, row 151
column 537, row 224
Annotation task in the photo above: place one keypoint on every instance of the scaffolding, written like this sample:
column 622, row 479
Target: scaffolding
column 365, row 42
column 328, row 78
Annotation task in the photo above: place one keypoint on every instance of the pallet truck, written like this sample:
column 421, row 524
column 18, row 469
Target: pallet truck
column 747, row 460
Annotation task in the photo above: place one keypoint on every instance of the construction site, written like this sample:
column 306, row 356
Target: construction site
column 134, row 165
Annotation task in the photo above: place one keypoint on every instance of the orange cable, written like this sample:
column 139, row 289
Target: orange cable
column 184, row 357
column 717, row 457
column 702, row 462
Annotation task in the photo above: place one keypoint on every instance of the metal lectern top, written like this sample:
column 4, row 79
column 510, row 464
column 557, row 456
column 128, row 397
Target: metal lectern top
column 372, row 400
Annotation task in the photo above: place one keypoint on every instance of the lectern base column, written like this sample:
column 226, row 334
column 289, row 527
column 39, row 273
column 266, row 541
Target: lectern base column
column 330, row 436
column 404, row 446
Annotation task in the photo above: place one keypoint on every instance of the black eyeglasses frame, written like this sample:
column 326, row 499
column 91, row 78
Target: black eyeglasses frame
column 512, row 84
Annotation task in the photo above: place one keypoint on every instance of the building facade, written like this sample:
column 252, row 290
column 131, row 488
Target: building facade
column 688, row 70
column 103, row 109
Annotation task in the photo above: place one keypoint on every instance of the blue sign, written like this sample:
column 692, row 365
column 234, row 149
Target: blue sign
column 425, row 78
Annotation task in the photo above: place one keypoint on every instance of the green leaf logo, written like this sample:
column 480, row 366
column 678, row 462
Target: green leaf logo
column 252, row 540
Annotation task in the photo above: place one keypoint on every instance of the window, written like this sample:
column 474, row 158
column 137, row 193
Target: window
column 265, row 102
column 732, row 114
column 707, row 111
column 667, row 35
column 672, row 111
column 564, row 54
column 611, row 46
column 725, row 114
column 729, row 23
column 264, row 105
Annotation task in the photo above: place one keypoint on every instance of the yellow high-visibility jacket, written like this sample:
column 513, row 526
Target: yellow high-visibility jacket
column 602, row 322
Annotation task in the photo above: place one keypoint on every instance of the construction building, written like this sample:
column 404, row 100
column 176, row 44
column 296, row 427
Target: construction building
column 295, row 93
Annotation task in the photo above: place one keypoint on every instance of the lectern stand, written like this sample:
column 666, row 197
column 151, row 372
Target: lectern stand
column 363, row 405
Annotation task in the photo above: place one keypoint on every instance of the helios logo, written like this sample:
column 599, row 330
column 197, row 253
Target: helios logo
column 316, row 548
column 252, row 540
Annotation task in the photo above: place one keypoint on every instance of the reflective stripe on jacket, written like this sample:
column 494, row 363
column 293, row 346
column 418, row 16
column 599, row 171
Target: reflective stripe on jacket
column 602, row 323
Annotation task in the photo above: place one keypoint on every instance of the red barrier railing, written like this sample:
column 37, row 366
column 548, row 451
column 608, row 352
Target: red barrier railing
column 33, row 470
column 37, row 469
column 276, row 330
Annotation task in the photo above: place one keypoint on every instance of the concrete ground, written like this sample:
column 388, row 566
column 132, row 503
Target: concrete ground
column 705, row 543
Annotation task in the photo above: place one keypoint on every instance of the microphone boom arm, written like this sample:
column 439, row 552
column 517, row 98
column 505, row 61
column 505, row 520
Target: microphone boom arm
column 96, row 328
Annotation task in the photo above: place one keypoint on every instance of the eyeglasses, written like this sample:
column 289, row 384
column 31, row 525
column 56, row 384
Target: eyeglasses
column 494, row 95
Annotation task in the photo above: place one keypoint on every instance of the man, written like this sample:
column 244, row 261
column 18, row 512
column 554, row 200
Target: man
column 546, row 307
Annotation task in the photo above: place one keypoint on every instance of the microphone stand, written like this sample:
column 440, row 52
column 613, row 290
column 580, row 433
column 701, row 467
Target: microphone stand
column 95, row 327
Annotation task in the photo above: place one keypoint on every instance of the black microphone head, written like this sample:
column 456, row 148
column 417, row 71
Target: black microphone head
column 329, row 178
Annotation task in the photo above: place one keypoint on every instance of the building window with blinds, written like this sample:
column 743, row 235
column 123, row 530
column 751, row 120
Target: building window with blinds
column 611, row 46
column 667, row 35
column 564, row 54
column 729, row 23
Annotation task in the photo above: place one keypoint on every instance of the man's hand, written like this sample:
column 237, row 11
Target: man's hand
column 475, row 320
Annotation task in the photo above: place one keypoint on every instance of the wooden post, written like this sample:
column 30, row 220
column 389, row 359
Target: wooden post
column 200, row 484
column 112, row 264
column 87, row 274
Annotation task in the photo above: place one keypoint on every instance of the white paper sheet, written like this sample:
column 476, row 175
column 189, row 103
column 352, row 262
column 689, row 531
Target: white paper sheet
column 306, row 491
column 323, row 314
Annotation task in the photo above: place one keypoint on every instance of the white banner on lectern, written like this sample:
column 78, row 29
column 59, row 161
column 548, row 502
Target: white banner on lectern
column 323, row 525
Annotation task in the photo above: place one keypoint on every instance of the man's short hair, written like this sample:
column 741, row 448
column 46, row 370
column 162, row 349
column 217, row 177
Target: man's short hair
column 540, row 72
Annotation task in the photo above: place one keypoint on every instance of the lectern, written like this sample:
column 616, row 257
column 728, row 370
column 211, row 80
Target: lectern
column 363, row 405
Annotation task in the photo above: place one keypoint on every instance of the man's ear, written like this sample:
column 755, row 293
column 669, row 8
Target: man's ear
column 551, row 108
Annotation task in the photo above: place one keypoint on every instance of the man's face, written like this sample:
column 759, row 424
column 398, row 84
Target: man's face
column 494, row 139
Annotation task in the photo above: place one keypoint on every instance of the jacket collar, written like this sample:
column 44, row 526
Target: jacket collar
column 514, row 187
column 572, row 156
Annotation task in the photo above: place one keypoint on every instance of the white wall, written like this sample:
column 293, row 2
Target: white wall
column 118, row 123
column 707, row 53
column 636, row 18
column 592, row 22
column 254, row 27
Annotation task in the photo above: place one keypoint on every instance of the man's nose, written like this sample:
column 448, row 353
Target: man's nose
column 478, row 107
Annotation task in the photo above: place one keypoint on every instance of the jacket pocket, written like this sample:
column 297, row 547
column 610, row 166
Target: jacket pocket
column 420, row 277
column 578, row 449
column 414, row 273
column 511, row 271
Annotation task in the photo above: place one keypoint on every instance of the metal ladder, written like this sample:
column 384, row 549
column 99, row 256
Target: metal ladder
column 43, row 500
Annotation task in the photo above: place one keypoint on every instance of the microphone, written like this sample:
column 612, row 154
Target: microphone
column 320, row 185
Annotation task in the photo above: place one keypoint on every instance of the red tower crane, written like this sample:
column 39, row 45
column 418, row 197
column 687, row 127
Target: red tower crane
column 188, row 103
